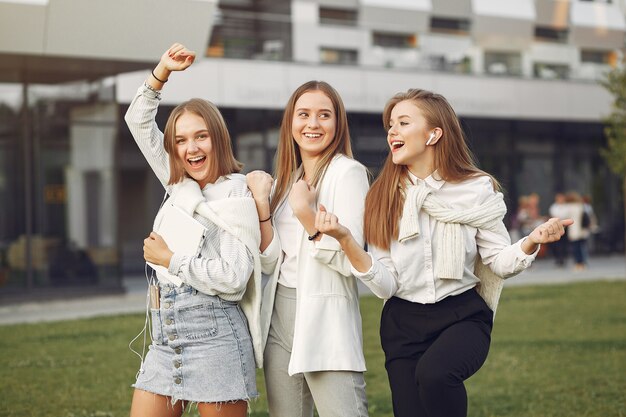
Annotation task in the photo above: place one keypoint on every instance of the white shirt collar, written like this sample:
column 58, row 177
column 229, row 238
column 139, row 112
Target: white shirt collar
column 431, row 180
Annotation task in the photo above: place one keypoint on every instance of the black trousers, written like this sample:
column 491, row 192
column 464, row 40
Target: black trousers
column 430, row 349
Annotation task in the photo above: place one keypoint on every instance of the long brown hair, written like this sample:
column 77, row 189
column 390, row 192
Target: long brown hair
column 288, row 157
column 453, row 161
column 223, row 161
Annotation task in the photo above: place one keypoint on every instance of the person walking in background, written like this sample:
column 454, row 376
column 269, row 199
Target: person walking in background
column 590, row 222
column 578, row 233
column 519, row 219
column 202, row 350
column 560, row 210
column 314, row 351
column 431, row 218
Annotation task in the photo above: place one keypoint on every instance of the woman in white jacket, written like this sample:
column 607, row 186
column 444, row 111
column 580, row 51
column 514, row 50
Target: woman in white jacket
column 430, row 217
column 202, row 350
column 310, row 312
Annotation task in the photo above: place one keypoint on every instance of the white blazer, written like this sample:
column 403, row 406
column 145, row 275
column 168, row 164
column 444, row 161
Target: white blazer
column 327, row 334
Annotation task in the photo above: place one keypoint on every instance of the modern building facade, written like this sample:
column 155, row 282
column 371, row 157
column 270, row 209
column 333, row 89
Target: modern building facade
column 60, row 225
column 79, row 198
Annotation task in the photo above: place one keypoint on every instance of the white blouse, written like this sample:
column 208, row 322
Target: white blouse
column 286, row 224
column 406, row 270
column 225, row 264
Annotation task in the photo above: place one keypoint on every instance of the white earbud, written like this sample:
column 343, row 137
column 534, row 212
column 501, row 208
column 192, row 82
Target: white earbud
column 430, row 139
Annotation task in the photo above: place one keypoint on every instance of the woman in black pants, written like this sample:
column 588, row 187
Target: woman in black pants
column 432, row 219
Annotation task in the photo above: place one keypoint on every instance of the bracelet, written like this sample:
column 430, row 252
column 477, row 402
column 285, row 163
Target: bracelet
column 263, row 221
column 315, row 235
column 158, row 79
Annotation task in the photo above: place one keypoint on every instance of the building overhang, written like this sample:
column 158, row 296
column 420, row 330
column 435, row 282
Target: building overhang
column 38, row 69
column 452, row 8
column 51, row 41
column 597, row 25
column 249, row 84
column 503, row 24
column 405, row 16
column 553, row 13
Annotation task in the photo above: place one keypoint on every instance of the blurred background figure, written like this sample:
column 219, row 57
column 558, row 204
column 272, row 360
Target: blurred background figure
column 560, row 209
column 527, row 218
column 590, row 222
column 577, row 233
column 519, row 219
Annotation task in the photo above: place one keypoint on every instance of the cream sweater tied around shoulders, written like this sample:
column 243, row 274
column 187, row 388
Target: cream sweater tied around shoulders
column 451, row 253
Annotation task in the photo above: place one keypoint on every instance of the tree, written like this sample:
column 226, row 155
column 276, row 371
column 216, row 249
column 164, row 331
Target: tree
column 615, row 125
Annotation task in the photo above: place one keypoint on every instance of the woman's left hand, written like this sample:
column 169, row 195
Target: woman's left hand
column 156, row 251
column 328, row 223
column 550, row 231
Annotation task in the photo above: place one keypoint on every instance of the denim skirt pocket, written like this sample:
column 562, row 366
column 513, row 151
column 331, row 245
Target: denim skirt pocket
column 198, row 321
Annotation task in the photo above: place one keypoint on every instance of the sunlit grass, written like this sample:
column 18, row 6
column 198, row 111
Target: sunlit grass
column 557, row 351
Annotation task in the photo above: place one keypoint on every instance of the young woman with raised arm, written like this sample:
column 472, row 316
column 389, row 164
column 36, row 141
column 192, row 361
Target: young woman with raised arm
column 202, row 348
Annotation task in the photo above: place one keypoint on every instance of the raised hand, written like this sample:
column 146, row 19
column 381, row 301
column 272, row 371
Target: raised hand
column 177, row 58
column 260, row 185
column 301, row 198
column 328, row 224
column 550, row 231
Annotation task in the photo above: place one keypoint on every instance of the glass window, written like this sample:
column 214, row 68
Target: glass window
column 58, row 220
column 550, row 71
column 548, row 34
column 449, row 25
column 595, row 56
column 394, row 40
column 12, row 218
column 503, row 63
column 342, row 17
column 339, row 56
column 244, row 33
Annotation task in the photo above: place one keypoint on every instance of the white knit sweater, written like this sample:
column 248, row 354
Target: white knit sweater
column 452, row 259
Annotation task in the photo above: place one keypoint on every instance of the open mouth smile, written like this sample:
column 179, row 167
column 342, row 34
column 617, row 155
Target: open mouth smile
column 312, row 135
column 396, row 145
column 196, row 160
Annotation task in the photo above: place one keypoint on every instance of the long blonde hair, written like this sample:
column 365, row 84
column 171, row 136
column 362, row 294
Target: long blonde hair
column 288, row 157
column 454, row 162
column 223, row 160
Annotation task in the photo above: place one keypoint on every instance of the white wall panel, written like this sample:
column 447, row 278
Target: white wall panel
column 134, row 30
column 137, row 30
column 597, row 25
column 235, row 83
column 22, row 28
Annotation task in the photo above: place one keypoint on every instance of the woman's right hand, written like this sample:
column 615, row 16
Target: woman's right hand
column 177, row 58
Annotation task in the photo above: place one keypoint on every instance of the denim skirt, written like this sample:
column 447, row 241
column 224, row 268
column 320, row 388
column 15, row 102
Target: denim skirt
column 201, row 349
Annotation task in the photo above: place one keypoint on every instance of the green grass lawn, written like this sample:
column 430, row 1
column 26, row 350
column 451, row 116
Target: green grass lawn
column 556, row 351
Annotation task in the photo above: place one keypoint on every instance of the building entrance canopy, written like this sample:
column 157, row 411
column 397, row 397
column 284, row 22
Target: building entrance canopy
column 52, row 41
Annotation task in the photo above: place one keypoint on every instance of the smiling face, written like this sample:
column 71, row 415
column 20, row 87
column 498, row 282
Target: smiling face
column 314, row 123
column 407, row 136
column 193, row 147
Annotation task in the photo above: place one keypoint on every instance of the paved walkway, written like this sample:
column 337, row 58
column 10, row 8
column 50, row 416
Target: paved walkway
column 133, row 300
